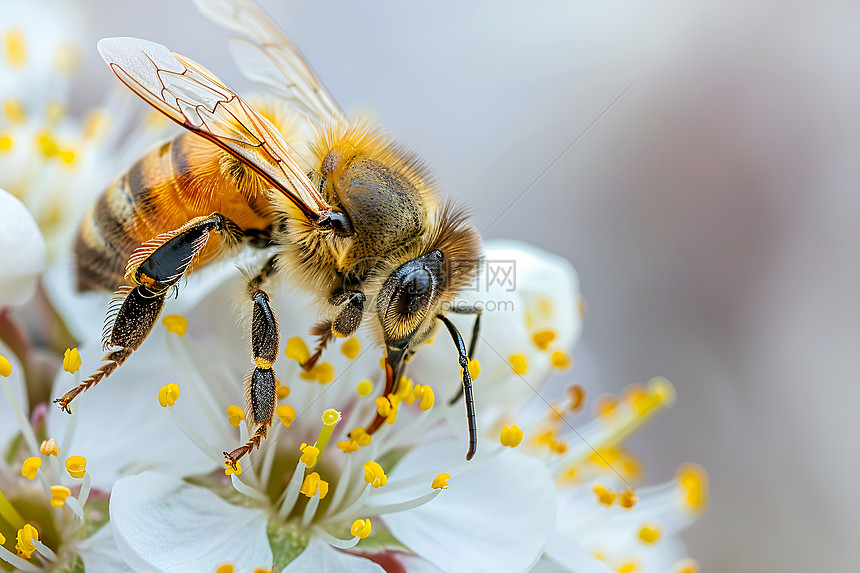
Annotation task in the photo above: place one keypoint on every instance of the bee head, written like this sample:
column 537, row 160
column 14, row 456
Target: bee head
column 409, row 299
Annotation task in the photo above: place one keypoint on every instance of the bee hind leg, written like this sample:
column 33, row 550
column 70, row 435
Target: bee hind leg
column 260, row 383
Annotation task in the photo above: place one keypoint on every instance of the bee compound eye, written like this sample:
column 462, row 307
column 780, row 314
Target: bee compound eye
column 416, row 289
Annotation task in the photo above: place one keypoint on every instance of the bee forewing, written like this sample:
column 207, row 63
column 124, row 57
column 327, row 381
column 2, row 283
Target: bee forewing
column 195, row 98
column 268, row 58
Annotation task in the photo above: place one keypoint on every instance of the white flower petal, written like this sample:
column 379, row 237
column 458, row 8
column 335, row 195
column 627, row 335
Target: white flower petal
column 101, row 555
column 497, row 514
column 22, row 251
column 319, row 557
column 164, row 524
column 121, row 428
column 8, row 421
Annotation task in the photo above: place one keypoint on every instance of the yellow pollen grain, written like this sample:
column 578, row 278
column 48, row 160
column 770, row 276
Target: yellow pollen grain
column 577, row 397
column 235, row 415
column 175, row 323
column 30, row 467
column 693, row 481
column 225, row 568
column 628, row 499
column 283, row 391
column 76, row 466
column 14, row 110
column 543, row 338
column 425, row 395
column 5, row 367
column 313, row 484
column 374, row 475
column 604, row 496
column 649, row 533
column 364, row 388
column 168, row 395
column 286, row 414
column 360, row 528
column 441, row 481
column 511, row 436
column 686, row 566
column 351, row 347
column 25, row 546
column 297, row 350
column 519, row 363
column 71, row 360
column 6, row 143
column 49, row 447
column 561, row 360
column 16, row 48
column 59, row 493
column 309, row 455
column 232, row 468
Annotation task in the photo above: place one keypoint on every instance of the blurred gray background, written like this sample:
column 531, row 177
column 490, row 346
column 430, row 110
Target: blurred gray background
column 711, row 210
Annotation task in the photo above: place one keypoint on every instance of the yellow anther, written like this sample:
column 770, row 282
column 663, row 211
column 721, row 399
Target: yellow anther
column 511, row 436
column 232, row 468
column 16, row 48
column 386, row 406
column 364, row 388
column 71, row 360
column 361, row 436
column 235, row 415
column 67, row 59
column 440, row 481
column 297, row 350
column 425, row 395
column 5, row 367
column 168, row 395
column 548, row 438
column 577, row 397
column 47, row 145
column 404, row 390
column 374, row 475
column 543, row 338
column 59, row 493
column 519, row 363
column 313, row 485
column 324, row 372
column 686, row 566
column 175, row 323
column 382, row 363
column 628, row 499
column 694, row 480
column 25, row 546
column 225, row 568
column 662, row 390
column 360, row 528
column 262, row 363
column 628, row 567
column 30, row 467
column 262, row 570
column 649, row 533
column 605, row 456
column 2, row 539
column 309, row 455
column 605, row 405
column 604, row 496
column 14, row 110
column 351, row 347
column 348, row 446
column 286, row 414
column 6, row 142
column 283, row 391
column 49, row 447
column 76, row 466
column 561, row 360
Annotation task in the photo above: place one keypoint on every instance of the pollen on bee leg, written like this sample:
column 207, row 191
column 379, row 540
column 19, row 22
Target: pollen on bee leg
column 49, row 447
column 59, row 493
column 71, row 360
column 175, row 323
column 361, row 528
column 168, row 395
column 235, row 415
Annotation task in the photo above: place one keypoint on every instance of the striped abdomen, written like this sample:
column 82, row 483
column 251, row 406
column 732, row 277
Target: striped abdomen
column 184, row 178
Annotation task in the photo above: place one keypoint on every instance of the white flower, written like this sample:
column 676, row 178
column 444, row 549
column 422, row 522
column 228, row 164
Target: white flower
column 22, row 251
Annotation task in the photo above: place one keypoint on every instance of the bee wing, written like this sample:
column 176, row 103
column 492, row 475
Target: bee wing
column 193, row 97
column 266, row 56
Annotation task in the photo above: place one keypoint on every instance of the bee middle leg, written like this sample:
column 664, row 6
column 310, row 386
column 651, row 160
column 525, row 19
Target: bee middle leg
column 260, row 384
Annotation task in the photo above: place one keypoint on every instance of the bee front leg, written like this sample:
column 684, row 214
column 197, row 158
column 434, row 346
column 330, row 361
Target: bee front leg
column 260, row 384
column 347, row 313
column 473, row 341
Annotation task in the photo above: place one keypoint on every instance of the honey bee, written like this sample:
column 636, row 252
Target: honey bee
column 365, row 230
